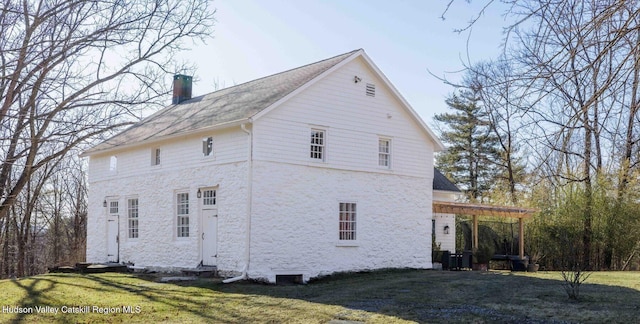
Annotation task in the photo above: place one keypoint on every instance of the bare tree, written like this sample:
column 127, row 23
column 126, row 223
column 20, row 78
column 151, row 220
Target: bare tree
column 75, row 70
column 72, row 70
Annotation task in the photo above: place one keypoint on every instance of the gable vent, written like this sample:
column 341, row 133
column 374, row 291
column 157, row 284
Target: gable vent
column 371, row 90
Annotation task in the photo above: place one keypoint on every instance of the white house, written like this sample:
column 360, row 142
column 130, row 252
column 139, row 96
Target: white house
column 319, row 169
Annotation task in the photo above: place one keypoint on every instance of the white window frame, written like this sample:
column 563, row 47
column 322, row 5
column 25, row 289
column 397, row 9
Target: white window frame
column 182, row 214
column 207, row 146
column 113, row 207
column 113, row 163
column 133, row 218
column 347, row 221
column 318, row 148
column 209, row 198
column 384, row 156
column 156, row 156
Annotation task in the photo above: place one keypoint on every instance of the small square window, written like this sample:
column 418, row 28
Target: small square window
column 207, row 146
column 113, row 207
column 209, row 197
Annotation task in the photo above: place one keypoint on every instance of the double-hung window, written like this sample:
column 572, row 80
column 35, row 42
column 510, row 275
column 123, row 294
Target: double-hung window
column 317, row 150
column 182, row 213
column 132, row 213
column 384, row 152
column 347, row 226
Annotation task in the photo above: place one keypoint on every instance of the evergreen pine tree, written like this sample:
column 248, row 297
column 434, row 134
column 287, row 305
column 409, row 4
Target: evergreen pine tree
column 471, row 156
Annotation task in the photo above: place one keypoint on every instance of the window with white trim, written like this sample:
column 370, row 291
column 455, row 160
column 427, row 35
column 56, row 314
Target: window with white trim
column 384, row 152
column 347, row 229
column 209, row 197
column 132, row 213
column 155, row 156
column 207, row 146
column 317, row 144
column 113, row 163
column 182, row 213
column 113, row 207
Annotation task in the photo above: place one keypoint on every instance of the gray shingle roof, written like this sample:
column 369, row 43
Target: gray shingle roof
column 220, row 107
column 440, row 182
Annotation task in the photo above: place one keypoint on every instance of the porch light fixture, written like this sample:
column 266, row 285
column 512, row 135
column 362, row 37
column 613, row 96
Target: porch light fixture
column 199, row 193
column 104, row 203
column 356, row 79
column 446, row 229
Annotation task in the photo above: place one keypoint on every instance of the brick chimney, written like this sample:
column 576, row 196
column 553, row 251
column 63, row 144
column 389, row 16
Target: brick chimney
column 181, row 88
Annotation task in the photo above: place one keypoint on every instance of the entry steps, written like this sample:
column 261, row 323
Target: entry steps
column 201, row 271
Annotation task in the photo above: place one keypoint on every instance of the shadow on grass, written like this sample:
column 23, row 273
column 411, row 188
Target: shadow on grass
column 414, row 295
column 170, row 297
column 35, row 296
column 442, row 296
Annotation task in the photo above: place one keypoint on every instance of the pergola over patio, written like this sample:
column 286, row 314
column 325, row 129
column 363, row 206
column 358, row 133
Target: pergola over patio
column 477, row 210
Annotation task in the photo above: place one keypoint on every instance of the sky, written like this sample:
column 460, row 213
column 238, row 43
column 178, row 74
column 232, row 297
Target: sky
column 405, row 39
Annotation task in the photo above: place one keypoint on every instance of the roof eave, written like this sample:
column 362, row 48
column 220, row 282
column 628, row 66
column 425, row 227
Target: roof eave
column 233, row 123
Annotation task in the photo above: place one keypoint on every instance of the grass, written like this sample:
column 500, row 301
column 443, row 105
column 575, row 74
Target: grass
column 393, row 296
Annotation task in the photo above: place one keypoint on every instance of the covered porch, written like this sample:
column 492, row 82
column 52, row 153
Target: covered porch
column 478, row 210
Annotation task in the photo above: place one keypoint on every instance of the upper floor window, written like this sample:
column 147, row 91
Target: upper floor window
column 347, row 229
column 155, row 156
column 207, row 146
column 132, row 213
column 113, row 163
column 317, row 144
column 182, row 213
column 384, row 152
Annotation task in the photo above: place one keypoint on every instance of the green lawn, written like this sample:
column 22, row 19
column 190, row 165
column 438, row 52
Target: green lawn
column 378, row 297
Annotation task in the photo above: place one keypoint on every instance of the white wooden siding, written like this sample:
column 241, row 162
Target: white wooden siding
column 186, row 152
column 353, row 121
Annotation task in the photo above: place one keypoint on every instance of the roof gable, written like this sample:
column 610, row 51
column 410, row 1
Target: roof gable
column 243, row 102
column 221, row 107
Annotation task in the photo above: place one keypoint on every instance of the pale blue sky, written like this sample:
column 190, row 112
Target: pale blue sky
column 254, row 38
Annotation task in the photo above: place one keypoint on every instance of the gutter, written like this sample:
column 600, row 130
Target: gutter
column 247, row 256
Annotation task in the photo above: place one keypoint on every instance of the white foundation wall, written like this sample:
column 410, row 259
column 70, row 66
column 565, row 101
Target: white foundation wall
column 295, row 221
column 183, row 169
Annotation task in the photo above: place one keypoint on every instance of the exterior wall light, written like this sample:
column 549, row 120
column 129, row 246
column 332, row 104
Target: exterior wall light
column 446, row 229
column 104, row 203
column 199, row 194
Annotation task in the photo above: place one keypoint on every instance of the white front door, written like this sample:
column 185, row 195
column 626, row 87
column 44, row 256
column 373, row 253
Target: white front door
column 209, row 233
column 113, row 235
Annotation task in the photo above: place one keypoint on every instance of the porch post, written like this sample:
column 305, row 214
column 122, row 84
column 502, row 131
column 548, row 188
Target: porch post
column 475, row 233
column 521, row 238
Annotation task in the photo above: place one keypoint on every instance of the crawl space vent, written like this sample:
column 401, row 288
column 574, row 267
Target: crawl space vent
column 371, row 90
column 289, row 279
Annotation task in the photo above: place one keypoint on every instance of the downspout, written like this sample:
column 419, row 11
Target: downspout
column 247, row 256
